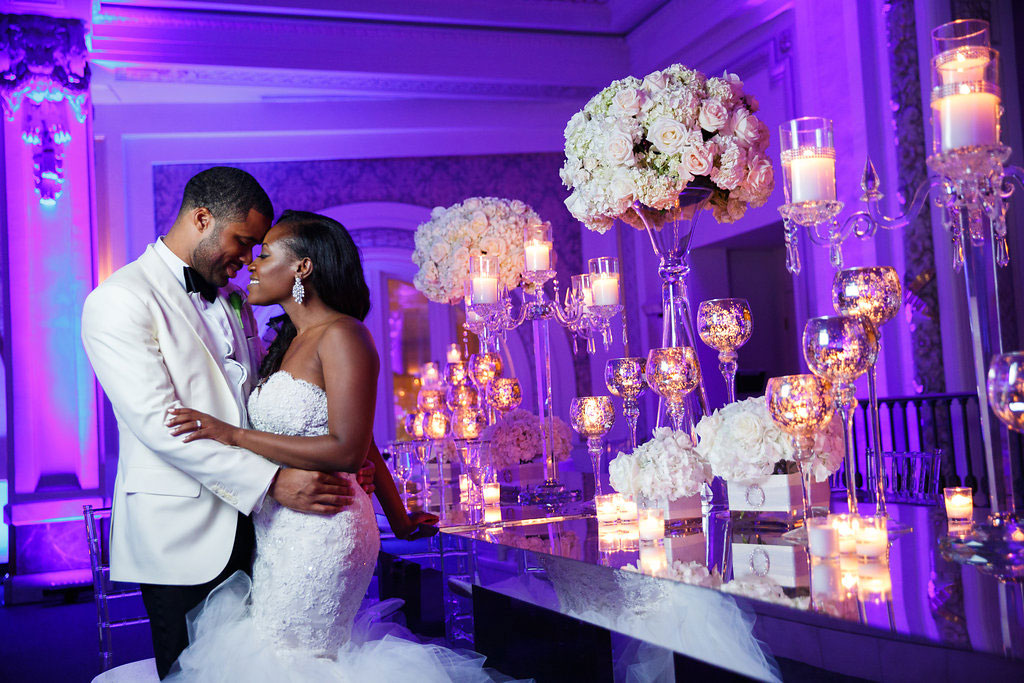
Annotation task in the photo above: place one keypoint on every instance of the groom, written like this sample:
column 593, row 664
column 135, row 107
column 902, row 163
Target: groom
column 162, row 332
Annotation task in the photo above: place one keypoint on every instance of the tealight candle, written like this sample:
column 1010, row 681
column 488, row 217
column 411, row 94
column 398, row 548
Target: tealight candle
column 822, row 537
column 492, row 514
column 872, row 537
column 874, row 583
column 607, row 507
column 959, row 503
column 538, row 255
column 826, row 577
column 653, row 558
column 627, row 509
column 605, row 291
column 492, row 493
column 845, row 529
column 430, row 375
column 454, row 356
column 652, row 524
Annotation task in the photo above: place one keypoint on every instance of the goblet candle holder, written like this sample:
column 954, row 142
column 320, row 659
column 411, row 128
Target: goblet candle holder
column 625, row 379
column 725, row 325
column 801, row 405
column 840, row 349
column 873, row 293
column 592, row 417
column 504, row 394
column 673, row 373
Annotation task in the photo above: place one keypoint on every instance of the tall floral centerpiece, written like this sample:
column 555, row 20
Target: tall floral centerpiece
column 667, row 472
column 654, row 152
column 478, row 226
column 745, row 447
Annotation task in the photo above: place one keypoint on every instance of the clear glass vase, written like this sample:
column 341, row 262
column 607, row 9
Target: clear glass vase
column 671, row 234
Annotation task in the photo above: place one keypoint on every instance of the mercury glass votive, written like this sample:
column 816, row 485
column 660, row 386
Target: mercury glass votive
column 871, row 536
column 430, row 399
column 483, row 367
column 468, row 422
column 456, row 372
column 592, row 417
column 840, row 349
column 436, row 425
column 801, row 405
column 725, row 325
column 461, row 396
column 625, row 379
column 1006, row 389
column 959, row 503
column 504, row 394
column 673, row 373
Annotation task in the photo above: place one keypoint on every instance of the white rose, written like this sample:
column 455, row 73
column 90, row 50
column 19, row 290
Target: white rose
column 667, row 135
column 621, row 189
column 618, row 148
column 697, row 159
column 439, row 250
column 472, row 204
column 713, row 115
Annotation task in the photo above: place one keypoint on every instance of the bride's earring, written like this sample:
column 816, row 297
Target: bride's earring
column 298, row 291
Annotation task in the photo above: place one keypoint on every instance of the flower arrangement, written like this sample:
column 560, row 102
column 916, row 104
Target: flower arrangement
column 476, row 226
column 667, row 466
column 693, row 573
column 743, row 444
column 515, row 439
column 645, row 140
column 765, row 589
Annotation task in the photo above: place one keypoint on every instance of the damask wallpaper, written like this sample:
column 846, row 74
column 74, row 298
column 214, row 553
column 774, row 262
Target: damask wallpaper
column 423, row 181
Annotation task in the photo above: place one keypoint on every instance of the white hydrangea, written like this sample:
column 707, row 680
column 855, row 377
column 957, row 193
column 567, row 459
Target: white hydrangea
column 645, row 140
column 743, row 444
column 474, row 227
column 667, row 466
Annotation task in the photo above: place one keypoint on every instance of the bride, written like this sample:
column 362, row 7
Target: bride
column 313, row 410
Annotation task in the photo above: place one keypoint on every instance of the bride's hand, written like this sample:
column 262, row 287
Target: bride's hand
column 420, row 525
column 199, row 425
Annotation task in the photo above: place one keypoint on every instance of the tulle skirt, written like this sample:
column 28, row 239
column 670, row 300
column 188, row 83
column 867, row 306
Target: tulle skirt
column 226, row 646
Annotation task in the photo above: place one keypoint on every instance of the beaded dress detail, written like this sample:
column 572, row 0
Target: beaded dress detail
column 296, row 620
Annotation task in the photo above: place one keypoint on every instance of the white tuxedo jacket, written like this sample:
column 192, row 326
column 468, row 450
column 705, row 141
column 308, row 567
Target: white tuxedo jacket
column 174, row 503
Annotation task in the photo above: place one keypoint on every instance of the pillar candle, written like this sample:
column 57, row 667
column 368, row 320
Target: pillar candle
column 485, row 290
column 538, row 255
column 652, row 524
column 970, row 118
column 605, row 291
column 453, row 354
column 492, row 493
column 813, row 178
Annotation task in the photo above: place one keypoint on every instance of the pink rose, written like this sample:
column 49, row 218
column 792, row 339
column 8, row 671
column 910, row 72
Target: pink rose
column 744, row 126
column 628, row 101
column 697, row 160
column 760, row 177
column 713, row 115
column 656, row 82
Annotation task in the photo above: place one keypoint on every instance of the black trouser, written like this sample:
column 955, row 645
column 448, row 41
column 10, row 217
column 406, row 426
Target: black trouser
column 168, row 605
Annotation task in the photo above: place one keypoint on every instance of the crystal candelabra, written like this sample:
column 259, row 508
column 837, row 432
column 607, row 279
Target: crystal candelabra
column 725, row 325
column 801, row 405
column 874, row 293
column 840, row 349
column 588, row 310
column 970, row 186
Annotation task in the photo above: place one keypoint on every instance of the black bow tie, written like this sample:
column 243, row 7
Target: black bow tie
column 194, row 282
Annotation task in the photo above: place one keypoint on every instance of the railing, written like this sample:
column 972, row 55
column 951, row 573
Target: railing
column 928, row 422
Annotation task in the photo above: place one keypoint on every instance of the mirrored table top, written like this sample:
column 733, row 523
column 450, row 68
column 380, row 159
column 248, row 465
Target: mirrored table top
column 733, row 595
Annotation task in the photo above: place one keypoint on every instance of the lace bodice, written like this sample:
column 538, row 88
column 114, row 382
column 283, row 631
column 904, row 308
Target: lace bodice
column 311, row 571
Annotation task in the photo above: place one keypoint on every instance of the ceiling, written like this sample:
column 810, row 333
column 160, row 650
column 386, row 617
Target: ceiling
column 151, row 51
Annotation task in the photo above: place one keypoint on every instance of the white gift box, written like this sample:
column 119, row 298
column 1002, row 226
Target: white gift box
column 777, row 493
column 784, row 564
column 686, row 508
column 686, row 548
column 528, row 473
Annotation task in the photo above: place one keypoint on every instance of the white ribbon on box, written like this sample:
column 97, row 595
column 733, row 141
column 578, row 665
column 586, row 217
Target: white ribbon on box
column 785, row 564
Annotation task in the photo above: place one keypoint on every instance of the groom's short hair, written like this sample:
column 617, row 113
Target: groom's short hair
column 228, row 193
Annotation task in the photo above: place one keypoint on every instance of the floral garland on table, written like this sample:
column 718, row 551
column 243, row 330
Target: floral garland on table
column 765, row 589
column 646, row 140
column 474, row 227
column 667, row 466
column 743, row 444
column 515, row 439
column 693, row 573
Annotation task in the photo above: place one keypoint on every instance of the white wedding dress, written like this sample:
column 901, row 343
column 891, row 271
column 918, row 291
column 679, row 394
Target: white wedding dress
column 295, row 620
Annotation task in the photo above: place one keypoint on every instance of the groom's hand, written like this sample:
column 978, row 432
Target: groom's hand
column 307, row 491
column 364, row 477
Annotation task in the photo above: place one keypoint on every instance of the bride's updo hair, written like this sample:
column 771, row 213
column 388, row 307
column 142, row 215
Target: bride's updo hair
column 337, row 275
